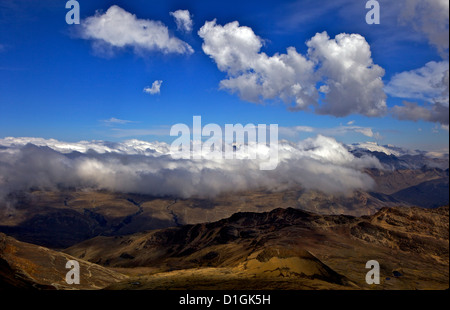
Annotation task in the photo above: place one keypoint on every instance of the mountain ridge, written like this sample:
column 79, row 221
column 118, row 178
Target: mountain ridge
column 400, row 238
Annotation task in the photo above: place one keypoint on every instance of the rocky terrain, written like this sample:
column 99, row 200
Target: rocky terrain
column 281, row 249
column 27, row 266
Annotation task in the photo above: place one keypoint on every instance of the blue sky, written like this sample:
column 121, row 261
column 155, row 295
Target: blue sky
column 73, row 82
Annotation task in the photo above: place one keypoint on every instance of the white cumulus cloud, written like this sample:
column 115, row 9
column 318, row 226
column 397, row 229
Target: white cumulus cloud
column 154, row 89
column 183, row 20
column 351, row 82
column 354, row 83
column 254, row 75
column 117, row 28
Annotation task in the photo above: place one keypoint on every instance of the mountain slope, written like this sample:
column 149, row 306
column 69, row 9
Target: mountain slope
column 429, row 194
column 27, row 266
column 412, row 242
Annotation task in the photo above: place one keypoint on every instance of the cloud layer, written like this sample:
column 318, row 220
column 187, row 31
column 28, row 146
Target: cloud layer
column 142, row 167
column 117, row 28
column 349, row 80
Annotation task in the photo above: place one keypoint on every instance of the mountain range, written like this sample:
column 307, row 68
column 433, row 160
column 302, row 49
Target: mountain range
column 280, row 249
column 291, row 237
